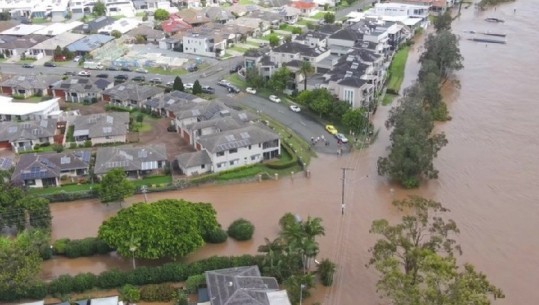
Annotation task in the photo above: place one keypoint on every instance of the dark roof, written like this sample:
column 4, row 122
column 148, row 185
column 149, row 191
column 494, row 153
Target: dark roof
column 27, row 41
column 190, row 159
column 82, row 84
column 294, row 63
column 49, row 165
column 147, row 32
column 95, row 25
column 102, row 124
column 328, row 28
column 352, row 82
column 129, row 158
column 28, row 130
column 133, row 91
column 236, row 138
column 30, row 81
column 315, row 34
column 253, row 53
column 167, row 101
column 239, row 286
column 266, row 61
column 296, row 47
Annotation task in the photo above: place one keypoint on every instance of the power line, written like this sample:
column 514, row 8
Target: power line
column 344, row 169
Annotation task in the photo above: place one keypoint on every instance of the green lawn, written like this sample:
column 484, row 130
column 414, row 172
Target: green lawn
column 39, row 20
column 162, row 71
column 304, row 22
column 149, row 181
column 67, row 188
column 245, row 2
column 238, row 49
column 388, row 99
column 319, row 15
column 396, row 70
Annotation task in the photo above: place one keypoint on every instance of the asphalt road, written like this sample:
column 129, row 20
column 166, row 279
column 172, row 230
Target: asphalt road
column 300, row 123
column 342, row 12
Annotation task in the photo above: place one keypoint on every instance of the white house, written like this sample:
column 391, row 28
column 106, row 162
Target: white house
column 399, row 9
column 10, row 111
column 120, row 8
column 123, row 26
column 204, row 44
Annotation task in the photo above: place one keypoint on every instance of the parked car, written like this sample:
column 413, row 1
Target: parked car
column 224, row 83
column 49, row 64
column 295, row 108
column 208, row 90
column 235, row 69
column 121, row 77
column 69, row 73
column 274, row 99
column 188, row 86
column 112, row 68
column 140, row 70
column 84, row 73
column 102, row 75
column 233, row 89
column 126, row 69
column 331, row 129
column 170, row 84
column 138, row 78
column 27, row 66
column 250, row 90
column 155, row 81
column 341, row 138
column 192, row 68
column 77, row 58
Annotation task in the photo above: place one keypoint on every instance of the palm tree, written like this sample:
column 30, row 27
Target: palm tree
column 306, row 69
column 313, row 227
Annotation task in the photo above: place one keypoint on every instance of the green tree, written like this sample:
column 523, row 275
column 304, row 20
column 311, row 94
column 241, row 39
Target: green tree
column 20, row 263
column 58, row 52
column 38, row 211
column 413, row 146
column 443, row 22
column 160, row 14
column 114, row 186
column 338, row 110
column 355, row 120
column 197, row 88
column 279, row 79
column 67, row 54
column 299, row 286
column 253, row 78
column 99, row 9
column 129, row 294
column 274, row 40
column 416, row 259
column 139, row 118
column 443, row 49
column 166, row 228
column 296, row 30
column 326, row 270
column 116, row 34
column 207, row 218
column 306, row 70
column 241, row 229
column 178, row 84
column 329, row 18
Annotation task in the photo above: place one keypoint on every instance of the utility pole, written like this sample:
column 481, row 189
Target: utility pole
column 344, row 169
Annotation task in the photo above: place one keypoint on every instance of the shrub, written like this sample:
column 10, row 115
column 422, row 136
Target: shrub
column 83, row 281
column 72, row 145
column 82, row 247
column 216, row 236
column 129, row 294
column 241, row 229
column 181, row 298
column 111, row 279
column 57, row 147
column 193, row 282
column 326, row 269
column 157, row 293
column 87, row 143
column 60, row 246
column 62, row 285
column 39, row 291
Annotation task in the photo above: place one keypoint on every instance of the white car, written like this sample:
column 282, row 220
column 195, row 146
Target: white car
column 341, row 138
column 77, row 58
column 188, row 86
column 274, row 99
column 295, row 108
column 84, row 73
column 140, row 70
column 250, row 90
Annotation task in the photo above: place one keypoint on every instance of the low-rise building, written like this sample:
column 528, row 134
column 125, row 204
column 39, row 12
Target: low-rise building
column 135, row 161
column 120, row 8
column 306, row 8
column 166, row 104
column 24, row 136
column 17, row 46
column 25, row 86
column 21, row 30
column 10, row 111
column 123, row 26
column 89, row 44
column 110, row 127
column 92, row 27
column 81, row 89
column 131, row 94
column 289, row 14
column 58, row 28
column 149, row 34
column 204, row 44
column 50, row 169
column 48, row 46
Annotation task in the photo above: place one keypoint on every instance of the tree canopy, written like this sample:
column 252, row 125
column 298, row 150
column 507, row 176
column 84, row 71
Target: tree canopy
column 274, row 40
column 329, row 18
column 197, row 88
column 443, row 22
column 114, row 186
column 166, row 228
column 279, row 79
column 306, row 70
column 416, row 260
column 443, row 49
column 99, row 9
column 355, row 120
column 161, row 14
column 178, row 84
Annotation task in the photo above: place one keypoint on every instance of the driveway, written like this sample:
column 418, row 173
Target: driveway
column 159, row 135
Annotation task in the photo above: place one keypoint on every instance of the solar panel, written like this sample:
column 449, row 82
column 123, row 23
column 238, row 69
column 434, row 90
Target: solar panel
column 12, row 129
column 245, row 135
column 142, row 153
column 107, row 129
column 230, row 137
column 65, row 160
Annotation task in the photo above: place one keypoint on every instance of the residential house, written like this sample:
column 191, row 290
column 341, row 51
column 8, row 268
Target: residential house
column 256, row 26
column 166, row 104
column 131, row 94
column 10, row 111
column 217, row 14
column 227, row 119
column 187, row 113
column 435, row 6
column 190, row 3
column 243, row 285
column 120, row 8
column 240, row 147
column 58, row 28
column 399, row 9
column 149, row 34
column 194, row 163
column 123, row 26
column 204, row 44
column 25, row 86
column 94, row 26
column 306, row 8
column 289, row 14
column 260, row 60
column 273, row 18
column 174, row 24
column 48, row 46
column 313, row 39
column 135, row 161
column 24, row 136
column 44, row 170
column 110, row 127
column 81, row 89
column 343, row 40
column 193, row 17
column 152, row 5
column 79, row 8
column 17, row 46
column 89, row 44
column 22, row 30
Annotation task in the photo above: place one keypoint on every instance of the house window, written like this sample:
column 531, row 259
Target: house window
column 349, row 96
column 233, row 151
column 249, row 147
column 203, row 166
column 30, row 182
column 220, row 153
column 254, row 157
column 234, row 162
column 222, row 164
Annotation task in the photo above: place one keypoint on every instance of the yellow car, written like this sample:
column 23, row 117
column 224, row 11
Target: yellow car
column 331, row 129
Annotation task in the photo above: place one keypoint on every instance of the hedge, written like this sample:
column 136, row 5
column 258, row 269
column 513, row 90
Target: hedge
column 157, row 293
column 241, row 229
column 80, row 247
column 284, row 164
column 171, row 272
column 216, row 236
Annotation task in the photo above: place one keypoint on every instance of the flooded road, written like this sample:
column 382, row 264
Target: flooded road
column 488, row 178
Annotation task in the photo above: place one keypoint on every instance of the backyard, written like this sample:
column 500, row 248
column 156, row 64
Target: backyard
column 396, row 70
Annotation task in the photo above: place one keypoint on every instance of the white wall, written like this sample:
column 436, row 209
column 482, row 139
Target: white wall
column 197, row 170
column 111, row 139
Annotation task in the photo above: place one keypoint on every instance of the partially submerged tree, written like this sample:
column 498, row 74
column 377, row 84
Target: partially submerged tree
column 114, row 186
column 416, row 260
column 443, row 49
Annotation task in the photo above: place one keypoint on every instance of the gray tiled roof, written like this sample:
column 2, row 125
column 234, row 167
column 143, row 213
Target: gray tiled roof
column 28, row 41
column 190, row 159
column 94, row 25
column 82, row 84
column 28, row 130
column 172, row 98
column 236, row 138
column 203, row 110
column 30, row 81
column 133, row 91
column 102, row 124
column 128, row 158
column 352, row 82
column 296, row 47
column 49, row 165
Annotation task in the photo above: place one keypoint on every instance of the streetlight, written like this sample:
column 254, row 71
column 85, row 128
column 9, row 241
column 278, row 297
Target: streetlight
column 133, row 249
column 144, row 190
column 301, row 287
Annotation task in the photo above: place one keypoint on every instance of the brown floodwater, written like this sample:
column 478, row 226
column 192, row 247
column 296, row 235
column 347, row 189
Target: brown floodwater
column 488, row 178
